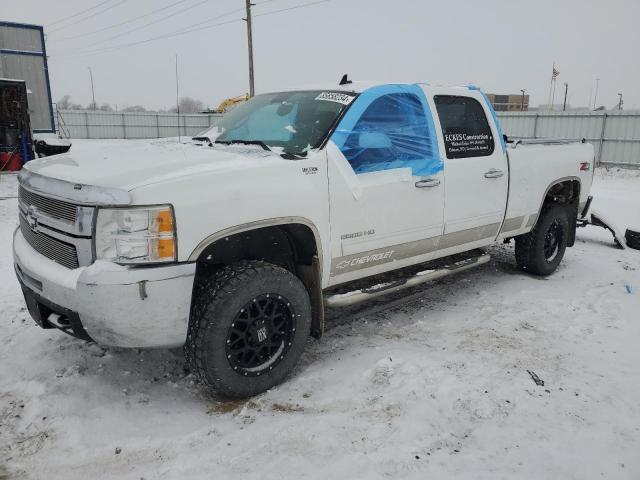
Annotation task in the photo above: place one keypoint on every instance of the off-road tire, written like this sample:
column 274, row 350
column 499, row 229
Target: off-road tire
column 530, row 247
column 632, row 239
column 218, row 299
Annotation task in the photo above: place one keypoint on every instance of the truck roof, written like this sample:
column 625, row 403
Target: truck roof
column 359, row 86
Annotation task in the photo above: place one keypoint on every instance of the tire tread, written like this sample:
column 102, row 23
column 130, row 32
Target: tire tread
column 209, row 292
column 530, row 246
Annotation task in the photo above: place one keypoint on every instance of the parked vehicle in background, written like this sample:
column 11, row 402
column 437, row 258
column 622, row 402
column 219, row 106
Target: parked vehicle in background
column 233, row 244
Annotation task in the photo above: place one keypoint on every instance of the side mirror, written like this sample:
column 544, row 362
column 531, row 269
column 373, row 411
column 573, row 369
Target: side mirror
column 373, row 140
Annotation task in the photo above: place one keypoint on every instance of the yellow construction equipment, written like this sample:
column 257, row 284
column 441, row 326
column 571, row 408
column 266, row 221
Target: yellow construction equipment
column 230, row 102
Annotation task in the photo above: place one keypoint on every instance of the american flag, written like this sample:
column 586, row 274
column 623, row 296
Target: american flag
column 554, row 73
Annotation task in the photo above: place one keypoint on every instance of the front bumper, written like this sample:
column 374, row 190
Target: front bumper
column 113, row 305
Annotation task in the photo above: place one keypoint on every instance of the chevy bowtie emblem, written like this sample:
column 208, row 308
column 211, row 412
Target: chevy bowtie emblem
column 32, row 220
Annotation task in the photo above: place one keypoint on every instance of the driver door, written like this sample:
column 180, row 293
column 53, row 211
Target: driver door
column 386, row 183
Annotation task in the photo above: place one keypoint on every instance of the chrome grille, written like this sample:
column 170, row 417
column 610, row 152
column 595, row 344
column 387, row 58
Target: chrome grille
column 49, row 206
column 60, row 252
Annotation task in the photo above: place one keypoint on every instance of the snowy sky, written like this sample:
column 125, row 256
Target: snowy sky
column 500, row 45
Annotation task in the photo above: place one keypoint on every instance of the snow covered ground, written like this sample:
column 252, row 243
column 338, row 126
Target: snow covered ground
column 433, row 384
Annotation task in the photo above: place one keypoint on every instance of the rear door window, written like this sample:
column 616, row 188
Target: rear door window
column 465, row 128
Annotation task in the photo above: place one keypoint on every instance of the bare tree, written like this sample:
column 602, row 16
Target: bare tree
column 105, row 107
column 64, row 103
column 189, row 105
column 134, row 108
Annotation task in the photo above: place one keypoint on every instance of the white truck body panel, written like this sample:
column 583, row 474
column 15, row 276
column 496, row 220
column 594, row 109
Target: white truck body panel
column 363, row 223
column 534, row 169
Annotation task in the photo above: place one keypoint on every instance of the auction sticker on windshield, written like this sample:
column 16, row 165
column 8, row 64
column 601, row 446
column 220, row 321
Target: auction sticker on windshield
column 343, row 98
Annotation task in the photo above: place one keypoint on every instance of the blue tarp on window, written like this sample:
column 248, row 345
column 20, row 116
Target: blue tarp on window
column 388, row 127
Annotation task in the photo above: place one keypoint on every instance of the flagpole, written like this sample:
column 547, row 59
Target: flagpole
column 551, row 86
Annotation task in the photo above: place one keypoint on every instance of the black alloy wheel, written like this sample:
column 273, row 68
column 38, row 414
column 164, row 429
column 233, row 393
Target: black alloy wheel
column 261, row 334
column 552, row 241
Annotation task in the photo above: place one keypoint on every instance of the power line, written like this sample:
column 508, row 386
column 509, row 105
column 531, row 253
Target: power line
column 78, row 13
column 182, row 31
column 89, row 16
column 140, row 42
column 158, row 20
column 123, row 23
column 190, row 29
column 172, row 15
column 295, row 7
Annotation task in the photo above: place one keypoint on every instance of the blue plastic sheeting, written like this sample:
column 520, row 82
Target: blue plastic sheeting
column 387, row 127
column 495, row 118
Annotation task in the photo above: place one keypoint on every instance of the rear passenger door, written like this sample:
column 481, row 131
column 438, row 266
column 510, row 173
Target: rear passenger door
column 476, row 175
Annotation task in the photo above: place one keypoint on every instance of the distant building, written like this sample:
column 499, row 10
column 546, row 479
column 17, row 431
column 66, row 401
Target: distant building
column 509, row 103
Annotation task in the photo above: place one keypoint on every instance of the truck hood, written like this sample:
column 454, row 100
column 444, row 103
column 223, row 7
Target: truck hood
column 132, row 164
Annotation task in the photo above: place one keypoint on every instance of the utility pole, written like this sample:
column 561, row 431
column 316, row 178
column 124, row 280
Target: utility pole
column 522, row 103
column 177, row 98
column 93, row 94
column 250, row 41
column 566, row 89
column 595, row 97
column 620, row 102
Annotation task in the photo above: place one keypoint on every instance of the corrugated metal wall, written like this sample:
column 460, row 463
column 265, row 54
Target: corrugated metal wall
column 23, row 57
column 17, row 37
column 98, row 124
column 29, row 68
column 615, row 135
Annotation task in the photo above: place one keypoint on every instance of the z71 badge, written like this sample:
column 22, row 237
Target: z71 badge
column 309, row 170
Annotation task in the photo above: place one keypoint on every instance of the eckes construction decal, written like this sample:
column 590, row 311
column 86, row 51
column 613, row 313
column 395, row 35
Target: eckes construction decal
column 468, row 145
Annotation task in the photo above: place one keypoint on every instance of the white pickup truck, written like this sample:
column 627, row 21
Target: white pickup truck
column 231, row 244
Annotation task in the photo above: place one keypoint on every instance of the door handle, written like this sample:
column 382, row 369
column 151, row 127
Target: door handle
column 493, row 173
column 428, row 182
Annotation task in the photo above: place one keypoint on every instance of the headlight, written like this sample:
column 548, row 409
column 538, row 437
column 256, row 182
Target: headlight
column 136, row 235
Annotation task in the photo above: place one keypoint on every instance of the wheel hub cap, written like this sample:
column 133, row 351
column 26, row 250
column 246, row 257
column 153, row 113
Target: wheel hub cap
column 260, row 334
column 552, row 241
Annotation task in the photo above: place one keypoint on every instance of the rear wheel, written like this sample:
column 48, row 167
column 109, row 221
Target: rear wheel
column 249, row 325
column 541, row 250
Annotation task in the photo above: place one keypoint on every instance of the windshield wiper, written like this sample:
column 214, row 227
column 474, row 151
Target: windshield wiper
column 293, row 155
column 245, row 142
column 202, row 139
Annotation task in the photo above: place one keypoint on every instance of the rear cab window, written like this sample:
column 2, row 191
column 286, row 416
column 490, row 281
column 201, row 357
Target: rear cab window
column 465, row 128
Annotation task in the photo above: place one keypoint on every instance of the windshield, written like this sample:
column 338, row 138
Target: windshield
column 287, row 122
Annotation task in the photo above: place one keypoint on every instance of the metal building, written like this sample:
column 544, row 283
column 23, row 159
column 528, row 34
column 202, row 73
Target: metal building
column 23, row 56
column 509, row 103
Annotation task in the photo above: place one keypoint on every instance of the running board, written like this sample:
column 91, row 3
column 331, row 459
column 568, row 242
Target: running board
column 362, row 295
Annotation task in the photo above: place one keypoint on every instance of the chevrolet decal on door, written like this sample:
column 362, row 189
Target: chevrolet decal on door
column 357, row 261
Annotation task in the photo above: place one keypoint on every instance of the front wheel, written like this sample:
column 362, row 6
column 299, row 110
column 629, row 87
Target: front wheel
column 541, row 250
column 250, row 322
